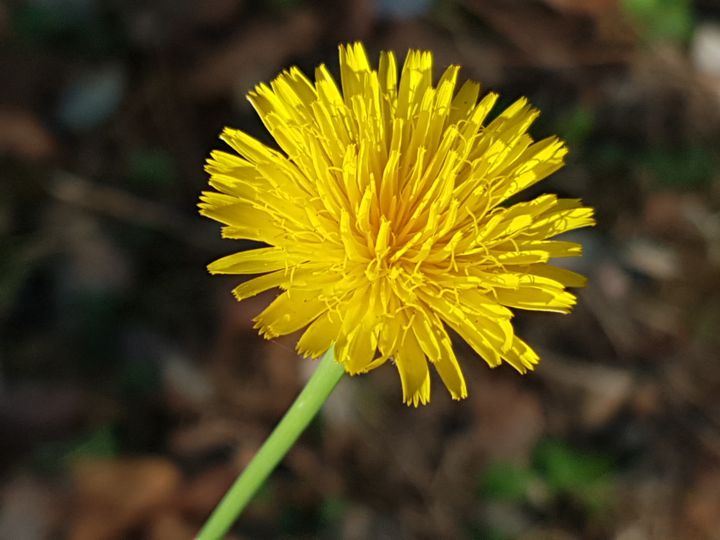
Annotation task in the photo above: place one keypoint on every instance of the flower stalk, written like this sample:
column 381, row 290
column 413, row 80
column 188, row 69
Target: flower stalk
column 296, row 419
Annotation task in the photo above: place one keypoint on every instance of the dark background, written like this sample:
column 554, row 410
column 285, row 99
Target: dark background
column 133, row 388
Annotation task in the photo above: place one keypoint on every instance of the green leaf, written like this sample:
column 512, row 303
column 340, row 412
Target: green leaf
column 576, row 124
column 100, row 443
column 57, row 456
column 504, row 481
column 566, row 469
column 332, row 510
column 149, row 169
column 661, row 20
column 682, row 167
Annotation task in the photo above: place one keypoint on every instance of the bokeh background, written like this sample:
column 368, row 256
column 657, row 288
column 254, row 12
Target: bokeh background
column 133, row 388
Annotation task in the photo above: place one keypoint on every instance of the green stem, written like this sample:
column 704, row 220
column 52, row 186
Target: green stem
column 296, row 419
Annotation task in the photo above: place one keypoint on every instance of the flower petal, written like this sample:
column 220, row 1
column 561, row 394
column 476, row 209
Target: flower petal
column 254, row 261
column 414, row 373
column 521, row 356
column 540, row 297
column 255, row 286
column 449, row 370
column 436, row 344
column 357, row 342
column 565, row 277
column 321, row 333
column 289, row 312
column 488, row 336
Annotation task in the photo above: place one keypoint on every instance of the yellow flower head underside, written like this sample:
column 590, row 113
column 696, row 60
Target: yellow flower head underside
column 385, row 216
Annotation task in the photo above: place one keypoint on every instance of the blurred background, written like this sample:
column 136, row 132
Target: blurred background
column 133, row 388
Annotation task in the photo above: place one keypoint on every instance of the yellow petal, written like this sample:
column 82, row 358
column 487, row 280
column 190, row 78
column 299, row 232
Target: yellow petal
column 357, row 342
column 464, row 101
column 289, row 312
column 521, row 356
column 413, row 369
column 318, row 337
column 254, row 261
column 436, row 344
column 449, row 370
column 249, row 147
column 427, row 335
column 538, row 161
column 560, row 221
column 246, row 222
column 488, row 336
column 540, row 298
column 553, row 248
column 356, row 349
column 563, row 276
column 255, row 286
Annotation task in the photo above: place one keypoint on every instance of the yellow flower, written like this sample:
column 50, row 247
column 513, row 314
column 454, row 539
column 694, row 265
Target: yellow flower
column 386, row 219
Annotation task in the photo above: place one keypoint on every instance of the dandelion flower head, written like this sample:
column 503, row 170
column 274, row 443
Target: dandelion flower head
column 385, row 218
